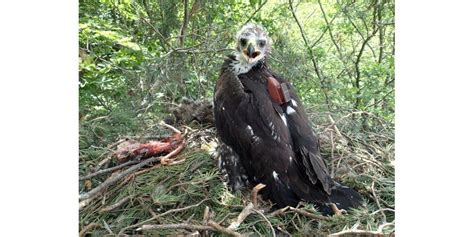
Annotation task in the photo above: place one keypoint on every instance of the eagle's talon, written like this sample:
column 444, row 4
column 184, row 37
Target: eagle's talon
column 337, row 211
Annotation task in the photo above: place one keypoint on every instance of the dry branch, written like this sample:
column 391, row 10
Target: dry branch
column 212, row 226
column 88, row 228
column 155, row 216
column 115, row 205
column 243, row 214
column 176, row 226
column 299, row 211
column 351, row 232
column 222, row 229
column 108, row 170
column 308, row 214
column 183, row 208
column 279, row 211
column 266, row 220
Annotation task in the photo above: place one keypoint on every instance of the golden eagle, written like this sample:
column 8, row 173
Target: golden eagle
column 265, row 135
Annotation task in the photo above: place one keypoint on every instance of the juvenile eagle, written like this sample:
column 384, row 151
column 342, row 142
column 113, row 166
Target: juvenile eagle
column 265, row 135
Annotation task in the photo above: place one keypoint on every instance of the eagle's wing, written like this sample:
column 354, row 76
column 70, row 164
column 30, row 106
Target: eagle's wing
column 247, row 122
column 305, row 142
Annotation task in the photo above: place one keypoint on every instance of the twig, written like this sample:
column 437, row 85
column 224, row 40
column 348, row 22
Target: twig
column 107, row 227
column 380, row 100
column 87, row 228
column 279, row 211
column 212, row 226
column 115, row 205
column 222, row 229
column 243, row 214
column 183, row 208
column 377, row 233
column 205, row 218
column 170, row 127
column 383, row 209
column 255, row 12
column 299, row 211
column 266, row 220
column 317, row 68
column 372, row 187
column 162, row 38
column 162, row 214
column 108, row 170
column 184, row 26
column 94, row 192
column 333, row 124
column 102, row 163
column 176, row 226
column 308, row 214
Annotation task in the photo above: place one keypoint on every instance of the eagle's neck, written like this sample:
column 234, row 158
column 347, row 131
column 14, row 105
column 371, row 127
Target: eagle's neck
column 239, row 65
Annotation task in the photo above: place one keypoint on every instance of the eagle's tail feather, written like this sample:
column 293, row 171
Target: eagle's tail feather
column 344, row 198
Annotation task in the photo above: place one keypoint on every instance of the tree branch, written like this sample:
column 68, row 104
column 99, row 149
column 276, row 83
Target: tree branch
column 255, row 12
column 317, row 68
column 184, row 26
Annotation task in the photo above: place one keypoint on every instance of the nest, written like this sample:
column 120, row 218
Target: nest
column 190, row 198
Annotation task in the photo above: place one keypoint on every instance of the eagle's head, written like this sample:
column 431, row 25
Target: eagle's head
column 253, row 45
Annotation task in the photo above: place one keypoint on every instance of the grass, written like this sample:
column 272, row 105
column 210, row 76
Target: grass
column 360, row 157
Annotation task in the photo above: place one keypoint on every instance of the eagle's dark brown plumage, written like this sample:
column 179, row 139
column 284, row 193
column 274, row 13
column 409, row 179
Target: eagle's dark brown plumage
column 265, row 142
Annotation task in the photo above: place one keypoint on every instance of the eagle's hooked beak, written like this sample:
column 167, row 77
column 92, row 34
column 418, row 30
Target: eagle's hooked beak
column 251, row 53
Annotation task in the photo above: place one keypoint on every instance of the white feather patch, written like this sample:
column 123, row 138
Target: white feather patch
column 283, row 117
column 275, row 175
column 250, row 129
column 293, row 102
column 290, row 110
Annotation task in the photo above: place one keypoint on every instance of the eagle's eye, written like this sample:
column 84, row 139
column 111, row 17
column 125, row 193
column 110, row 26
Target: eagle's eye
column 261, row 43
column 243, row 42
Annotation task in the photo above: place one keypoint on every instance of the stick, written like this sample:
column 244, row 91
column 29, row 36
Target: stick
column 308, row 214
column 279, row 211
column 107, row 227
column 155, row 217
column 115, row 205
column 108, row 170
column 183, row 208
column 377, row 233
column 87, row 228
column 372, row 187
column 212, row 226
column 170, row 127
column 243, row 214
column 299, row 211
column 222, row 229
column 94, row 192
column 175, row 226
column 103, row 162
column 266, row 219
